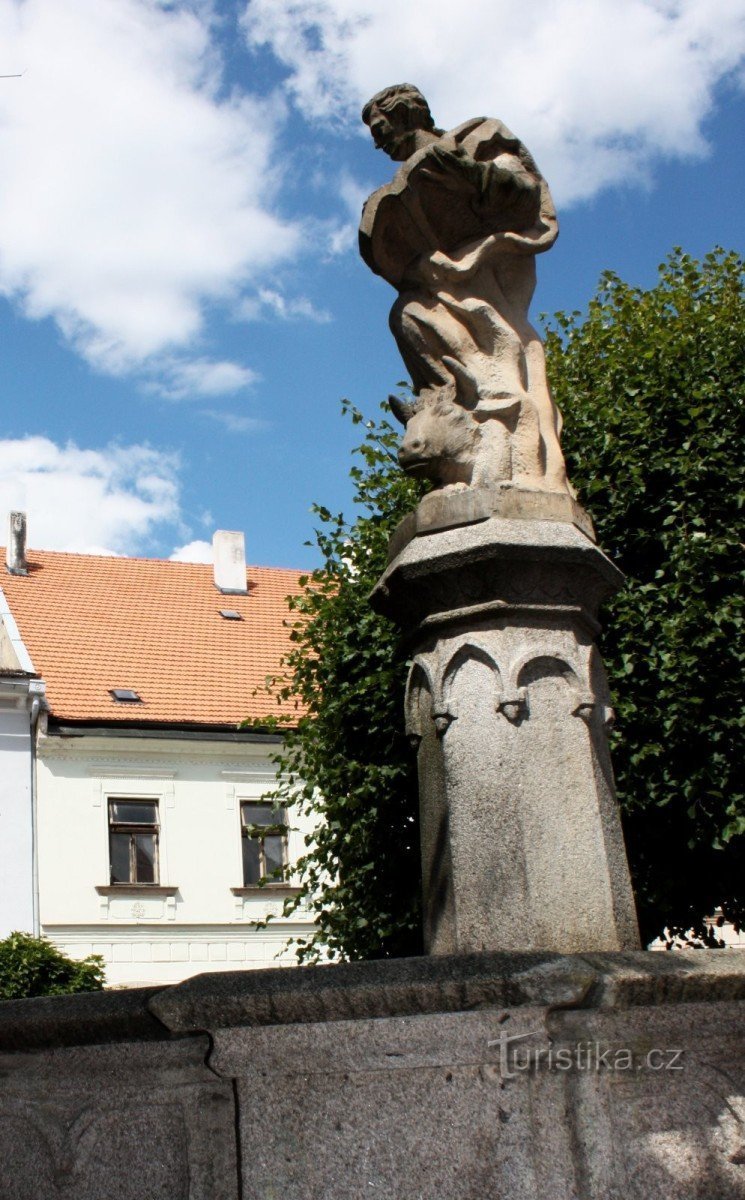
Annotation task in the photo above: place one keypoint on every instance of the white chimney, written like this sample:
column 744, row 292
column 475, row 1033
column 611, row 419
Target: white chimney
column 229, row 562
column 15, row 551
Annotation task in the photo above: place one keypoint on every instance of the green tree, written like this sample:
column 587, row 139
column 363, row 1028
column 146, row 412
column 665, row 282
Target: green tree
column 31, row 966
column 651, row 387
column 347, row 760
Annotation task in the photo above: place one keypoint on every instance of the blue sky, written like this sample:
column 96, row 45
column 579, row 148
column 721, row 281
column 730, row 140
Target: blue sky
column 182, row 305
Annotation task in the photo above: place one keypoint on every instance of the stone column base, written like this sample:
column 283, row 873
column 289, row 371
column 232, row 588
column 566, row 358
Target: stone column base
column 508, row 706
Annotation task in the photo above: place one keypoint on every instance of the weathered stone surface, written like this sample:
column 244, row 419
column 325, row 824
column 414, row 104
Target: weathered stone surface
column 508, row 706
column 437, row 1105
column 404, row 1107
column 449, row 983
column 456, row 232
column 433, row 1106
column 447, row 509
column 125, row 1119
column 121, row 1016
column 363, row 990
column 496, row 567
column 440, row 1079
column 671, row 1121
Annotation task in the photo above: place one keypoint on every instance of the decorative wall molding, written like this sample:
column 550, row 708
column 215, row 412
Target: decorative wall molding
column 138, row 772
column 263, row 776
column 138, row 889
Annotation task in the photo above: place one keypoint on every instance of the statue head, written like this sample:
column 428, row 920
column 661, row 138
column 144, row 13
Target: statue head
column 395, row 117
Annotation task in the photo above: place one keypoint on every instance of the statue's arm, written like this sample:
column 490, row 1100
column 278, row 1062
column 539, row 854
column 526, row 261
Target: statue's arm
column 501, row 187
column 505, row 179
column 450, row 168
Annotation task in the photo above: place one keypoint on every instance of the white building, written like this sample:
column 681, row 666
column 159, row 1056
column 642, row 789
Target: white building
column 135, row 821
column 21, row 696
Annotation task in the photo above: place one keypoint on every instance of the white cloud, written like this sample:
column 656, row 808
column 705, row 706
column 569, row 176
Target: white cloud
column 235, row 422
column 136, row 192
column 199, row 378
column 598, row 90
column 132, row 192
column 267, row 300
column 352, row 193
column 106, row 501
column 193, row 552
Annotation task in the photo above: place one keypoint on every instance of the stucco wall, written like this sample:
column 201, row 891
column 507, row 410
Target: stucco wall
column 193, row 920
column 16, row 837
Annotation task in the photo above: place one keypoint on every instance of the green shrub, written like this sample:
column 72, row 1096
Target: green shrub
column 31, row 966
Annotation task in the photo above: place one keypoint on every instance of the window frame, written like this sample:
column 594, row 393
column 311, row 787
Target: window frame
column 279, row 828
column 131, row 829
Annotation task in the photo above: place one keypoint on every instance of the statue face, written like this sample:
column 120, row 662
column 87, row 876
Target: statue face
column 390, row 134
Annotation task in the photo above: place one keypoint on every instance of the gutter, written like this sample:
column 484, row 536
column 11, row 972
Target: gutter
column 36, row 689
column 28, row 695
column 172, row 731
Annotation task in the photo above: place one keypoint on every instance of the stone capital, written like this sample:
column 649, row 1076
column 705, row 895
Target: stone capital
column 494, row 567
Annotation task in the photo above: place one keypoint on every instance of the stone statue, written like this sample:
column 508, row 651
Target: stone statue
column 495, row 578
column 456, row 233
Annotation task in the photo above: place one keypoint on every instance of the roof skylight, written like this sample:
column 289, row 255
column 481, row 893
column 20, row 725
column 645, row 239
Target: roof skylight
column 230, row 614
column 125, row 695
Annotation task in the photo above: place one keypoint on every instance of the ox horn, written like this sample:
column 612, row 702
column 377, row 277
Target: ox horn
column 467, row 388
column 403, row 410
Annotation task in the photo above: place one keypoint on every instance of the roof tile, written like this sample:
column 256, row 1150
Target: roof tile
column 91, row 623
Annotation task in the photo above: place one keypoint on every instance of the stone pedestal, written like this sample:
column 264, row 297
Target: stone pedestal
column 523, row 1076
column 497, row 594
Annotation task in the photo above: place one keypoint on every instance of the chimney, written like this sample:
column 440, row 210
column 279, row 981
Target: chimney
column 15, row 553
column 229, row 562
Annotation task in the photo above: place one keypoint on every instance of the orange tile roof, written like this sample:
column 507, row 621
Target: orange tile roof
column 91, row 623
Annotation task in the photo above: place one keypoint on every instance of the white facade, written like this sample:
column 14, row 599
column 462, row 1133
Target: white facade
column 199, row 915
column 17, row 907
column 20, row 698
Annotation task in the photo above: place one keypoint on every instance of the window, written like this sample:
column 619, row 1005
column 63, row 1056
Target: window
column 264, row 830
column 133, row 840
column 125, row 695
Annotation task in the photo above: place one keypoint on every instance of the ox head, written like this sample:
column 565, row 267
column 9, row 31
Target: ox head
column 440, row 438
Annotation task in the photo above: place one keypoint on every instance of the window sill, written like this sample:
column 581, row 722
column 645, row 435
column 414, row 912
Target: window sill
column 257, row 889
column 149, row 889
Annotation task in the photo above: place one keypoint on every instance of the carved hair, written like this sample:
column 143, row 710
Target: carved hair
column 407, row 97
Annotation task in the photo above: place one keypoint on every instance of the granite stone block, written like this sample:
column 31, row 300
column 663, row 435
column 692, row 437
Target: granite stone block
column 599, row 1076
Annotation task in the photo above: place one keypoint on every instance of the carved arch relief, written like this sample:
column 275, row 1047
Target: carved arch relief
column 542, row 664
column 526, row 669
column 469, row 651
column 428, row 676
column 531, row 667
column 47, row 1155
column 418, row 682
column 587, row 695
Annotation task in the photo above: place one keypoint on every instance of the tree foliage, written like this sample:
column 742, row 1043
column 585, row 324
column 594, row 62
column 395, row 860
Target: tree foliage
column 31, row 966
column 651, row 387
column 347, row 760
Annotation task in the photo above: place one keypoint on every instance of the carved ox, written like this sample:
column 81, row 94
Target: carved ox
column 459, row 447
